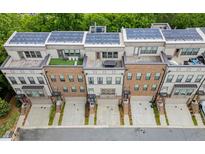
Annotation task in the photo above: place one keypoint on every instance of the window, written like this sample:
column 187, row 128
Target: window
column 136, row 87
column 73, row 89
column 38, row 54
column 109, row 80
column 40, row 80
column 183, row 92
column 148, row 76
column 31, row 80
column 198, row 78
column 100, row 80
column 115, row 55
column 148, row 50
column 189, row 78
column 22, row 80
column 62, row 78
column 179, row 78
column 13, row 80
column 118, row 80
column 70, row 78
column 91, row 80
column 190, row 51
column 27, row 54
column 129, row 76
column 157, row 76
column 82, row 89
column 53, row 78
column 154, row 87
column 71, row 53
column 138, row 76
column 33, row 54
column 80, row 78
column 110, row 54
column 65, row 89
column 145, row 87
column 169, row 78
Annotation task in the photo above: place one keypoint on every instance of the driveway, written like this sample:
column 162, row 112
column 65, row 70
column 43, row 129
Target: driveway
column 178, row 114
column 39, row 113
column 108, row 112
column 74, row 112
column 142, row 113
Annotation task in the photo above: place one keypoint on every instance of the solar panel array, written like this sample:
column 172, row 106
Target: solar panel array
column 102, row 38
column 182, row 35
column 66, row 37
column 29, row 38
column 143, row 33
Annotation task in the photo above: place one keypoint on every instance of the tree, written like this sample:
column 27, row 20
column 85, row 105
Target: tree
column 4, row 107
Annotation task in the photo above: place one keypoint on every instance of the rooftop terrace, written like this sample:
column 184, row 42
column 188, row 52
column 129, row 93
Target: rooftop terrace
column 60, row 61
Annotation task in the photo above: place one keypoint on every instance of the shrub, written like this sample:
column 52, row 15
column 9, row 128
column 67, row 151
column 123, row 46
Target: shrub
column 4, row 107
column 18, row 104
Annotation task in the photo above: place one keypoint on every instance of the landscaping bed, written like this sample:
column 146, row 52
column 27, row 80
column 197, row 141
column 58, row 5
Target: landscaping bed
column 7, row 123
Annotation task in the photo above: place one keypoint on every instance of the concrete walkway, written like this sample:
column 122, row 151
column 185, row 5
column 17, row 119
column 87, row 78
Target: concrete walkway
column 74, row 112
column 126, row 120
column 56, row 119
column 163, row 120
column 142, row 113
column 108, row 112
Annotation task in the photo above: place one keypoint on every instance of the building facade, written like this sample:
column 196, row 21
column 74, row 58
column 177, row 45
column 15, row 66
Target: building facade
column 159, row 62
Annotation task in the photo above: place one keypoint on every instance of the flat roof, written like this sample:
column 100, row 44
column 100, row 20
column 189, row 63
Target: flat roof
column 103, row 38
column 66, row 37
column 26, row 38
column 143, row 34
column 190, row 34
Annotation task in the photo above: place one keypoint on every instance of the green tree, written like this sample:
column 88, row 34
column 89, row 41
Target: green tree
column 4, row 107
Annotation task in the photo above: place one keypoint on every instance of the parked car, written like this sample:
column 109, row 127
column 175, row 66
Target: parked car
column 202, row 106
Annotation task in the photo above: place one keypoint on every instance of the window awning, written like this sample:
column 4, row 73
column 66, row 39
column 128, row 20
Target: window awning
column 185, row 86
column 32, row 87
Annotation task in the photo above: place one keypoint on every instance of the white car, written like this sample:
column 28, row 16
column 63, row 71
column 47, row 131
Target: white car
column 202, row 104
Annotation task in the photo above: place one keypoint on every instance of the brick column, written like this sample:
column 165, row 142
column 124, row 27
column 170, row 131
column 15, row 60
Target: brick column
column 160, row 105
column 195, row 106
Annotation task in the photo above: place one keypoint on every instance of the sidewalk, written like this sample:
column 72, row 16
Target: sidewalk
column 56, row 119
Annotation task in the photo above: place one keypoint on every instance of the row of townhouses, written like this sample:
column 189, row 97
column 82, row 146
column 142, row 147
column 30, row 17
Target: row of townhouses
column 166, row 64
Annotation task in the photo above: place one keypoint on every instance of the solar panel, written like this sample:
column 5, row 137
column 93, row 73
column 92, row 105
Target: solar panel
column 102, row 38
column 66, row 37
column 143, row 33
column 29, row 38
column 182, row 35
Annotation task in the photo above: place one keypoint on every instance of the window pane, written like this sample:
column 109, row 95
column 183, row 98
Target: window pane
column 80, row 78
column 62, row 78
column 118, row 80
column 199, row 78
column 189, row 78
column 33, row 55
column 73, row 89
column 53, row 78
column 70, row 78
column 129, row 76
column 169, row 78
column 91, row 80
column 13, row 80
column 179, row 78
column 82, row 89
column 65, row 89
column 136, row 87
column 109, row 80
column 148, row 76
column 138, row 76
column 38, row 54
column 100, row 80
column 145, row 87
column 22, row 80
column 40, row 80
column 31, row 80
column 154, row 87
column 157, row 76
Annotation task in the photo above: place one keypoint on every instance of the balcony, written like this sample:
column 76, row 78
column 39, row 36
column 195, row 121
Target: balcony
column 23, row 64
column 103, row 64
column 143, row 59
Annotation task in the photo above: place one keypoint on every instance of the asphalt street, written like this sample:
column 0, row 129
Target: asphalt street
column 112, row 134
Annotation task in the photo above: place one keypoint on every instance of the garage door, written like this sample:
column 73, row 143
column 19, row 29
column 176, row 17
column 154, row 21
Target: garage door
column 107, row 91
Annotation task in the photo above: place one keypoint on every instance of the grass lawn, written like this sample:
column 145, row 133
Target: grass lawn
column 52, row 114
column 194, row 120
column 156, row 114
column 8, row 122
column 86, row 114
column 59, row 61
